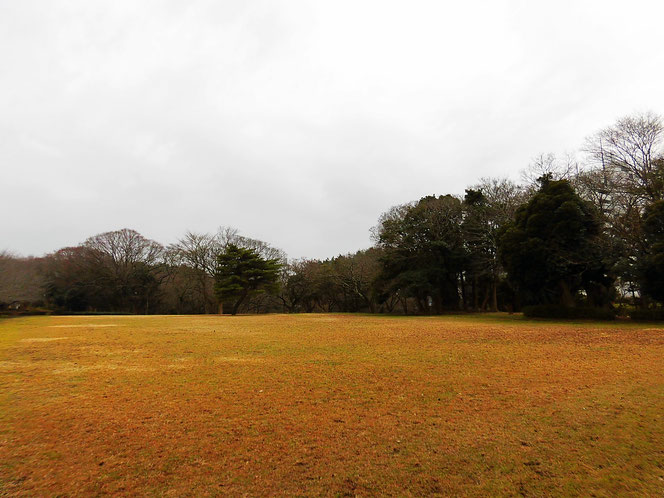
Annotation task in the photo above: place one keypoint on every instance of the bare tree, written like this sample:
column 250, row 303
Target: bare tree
column 504, row 196
column 20, row 279
column 630, row 154
column 198, row 252
column 549, row 165
column 134, row 265
column 627, row 174
column 355, row 274
column 125, row 248
column 294, row 286
column 228, row 235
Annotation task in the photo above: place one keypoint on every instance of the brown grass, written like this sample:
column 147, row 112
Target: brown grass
column 334, row 405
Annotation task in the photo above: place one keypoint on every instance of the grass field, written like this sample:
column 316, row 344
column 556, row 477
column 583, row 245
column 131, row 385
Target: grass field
column 338, row 405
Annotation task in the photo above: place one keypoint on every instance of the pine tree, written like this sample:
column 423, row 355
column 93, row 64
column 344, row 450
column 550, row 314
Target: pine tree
column 241, row 273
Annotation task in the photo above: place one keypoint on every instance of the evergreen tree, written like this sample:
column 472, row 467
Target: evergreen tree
column 652, row 263
column 423, row 251
column 552, row 250
column 241, row 273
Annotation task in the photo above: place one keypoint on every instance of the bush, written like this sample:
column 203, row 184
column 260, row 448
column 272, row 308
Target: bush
column 91, row 313
column 647, row 314
column 25, row 311
column 568, row 312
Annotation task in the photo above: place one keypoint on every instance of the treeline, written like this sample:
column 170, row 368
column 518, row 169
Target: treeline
column 573, row 235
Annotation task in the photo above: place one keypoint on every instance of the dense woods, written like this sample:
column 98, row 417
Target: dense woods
column 574, row 234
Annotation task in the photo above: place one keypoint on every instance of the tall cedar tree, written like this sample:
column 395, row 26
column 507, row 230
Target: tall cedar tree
column 480, row 235
column 241, row 273
column 551, row 251
column 652, row 263
column 423, row 251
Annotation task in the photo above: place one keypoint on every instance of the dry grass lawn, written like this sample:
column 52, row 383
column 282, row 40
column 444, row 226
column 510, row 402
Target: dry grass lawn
column 338, row 405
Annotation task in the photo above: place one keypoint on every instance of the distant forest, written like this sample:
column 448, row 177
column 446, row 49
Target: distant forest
column 572, row 235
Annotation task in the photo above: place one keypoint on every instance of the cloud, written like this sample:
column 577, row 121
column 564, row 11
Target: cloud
column 298, row 122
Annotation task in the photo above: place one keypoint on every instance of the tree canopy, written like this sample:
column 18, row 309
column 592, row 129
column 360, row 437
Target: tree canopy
column 423, row 251
column 652, row 262
column 585, row 231
column 550, row 252
column 242, row 272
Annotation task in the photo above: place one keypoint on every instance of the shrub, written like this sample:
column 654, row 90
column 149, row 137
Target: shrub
column 568, row 312
column 91, row 313
column 647, row 314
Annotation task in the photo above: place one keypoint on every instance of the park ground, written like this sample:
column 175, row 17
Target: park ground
column 335, row 405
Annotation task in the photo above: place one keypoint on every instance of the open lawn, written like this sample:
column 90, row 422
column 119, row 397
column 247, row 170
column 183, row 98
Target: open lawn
column 330, row 405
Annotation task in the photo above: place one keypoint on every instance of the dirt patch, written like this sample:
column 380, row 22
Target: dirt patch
column 83, row 325
column 101, row 366
column 238, row 359
column 11, row 364
column 44, row 339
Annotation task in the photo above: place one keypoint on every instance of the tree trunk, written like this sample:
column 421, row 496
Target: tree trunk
column 475, row 297
column 485, row 301
column 421, row 305
column 437, row 303
column 236, row 305
column 221, row 308
column 566, row 298
column 205, row 295
column 494, row 296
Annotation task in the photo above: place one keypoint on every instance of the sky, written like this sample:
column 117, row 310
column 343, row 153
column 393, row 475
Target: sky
column 296, row 121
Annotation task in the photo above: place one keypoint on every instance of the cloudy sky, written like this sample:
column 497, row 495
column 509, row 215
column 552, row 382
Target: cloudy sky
column 297, row 121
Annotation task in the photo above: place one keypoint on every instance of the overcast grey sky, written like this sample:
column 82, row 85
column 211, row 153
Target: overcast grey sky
column 298, row 122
